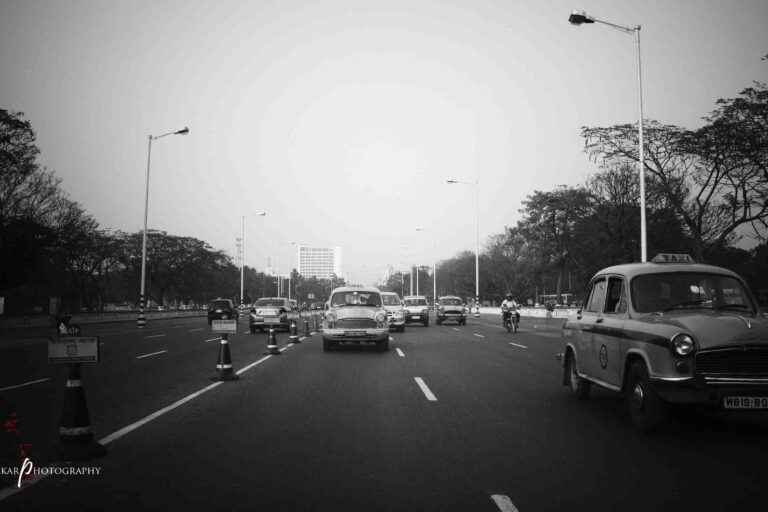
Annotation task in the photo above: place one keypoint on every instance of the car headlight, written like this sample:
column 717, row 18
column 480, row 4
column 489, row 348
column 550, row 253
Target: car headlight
column 682, row 344
column 398, row 314
column 330, row 319
column 424, row 311
column 381, row 317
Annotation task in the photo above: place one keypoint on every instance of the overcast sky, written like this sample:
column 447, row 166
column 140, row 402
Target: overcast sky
column 343, row 119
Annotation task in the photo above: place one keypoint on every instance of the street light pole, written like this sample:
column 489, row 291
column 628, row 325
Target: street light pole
column 434, row 267
column 142, row 321
column 242, row 253
column 578, row 18
column 477, row 240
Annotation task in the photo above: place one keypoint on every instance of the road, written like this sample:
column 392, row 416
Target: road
column 451, row 418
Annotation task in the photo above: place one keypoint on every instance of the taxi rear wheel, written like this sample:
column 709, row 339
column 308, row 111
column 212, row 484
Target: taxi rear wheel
column 646, row 409
column 579, row 387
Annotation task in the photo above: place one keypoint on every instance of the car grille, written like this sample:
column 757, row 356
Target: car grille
column 741, row 362
column 355, row 323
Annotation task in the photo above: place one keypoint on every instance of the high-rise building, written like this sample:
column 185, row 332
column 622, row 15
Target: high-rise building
column 321, row 262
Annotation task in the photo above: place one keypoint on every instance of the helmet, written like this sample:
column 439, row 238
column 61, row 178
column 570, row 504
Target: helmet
column 509, row 296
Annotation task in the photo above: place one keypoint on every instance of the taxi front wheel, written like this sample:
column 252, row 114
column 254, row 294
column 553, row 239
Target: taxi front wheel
column 646, row 408
column 579, row 387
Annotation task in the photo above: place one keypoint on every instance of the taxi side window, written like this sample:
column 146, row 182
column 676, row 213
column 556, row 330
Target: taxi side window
column 597, row 296
column 616, row 301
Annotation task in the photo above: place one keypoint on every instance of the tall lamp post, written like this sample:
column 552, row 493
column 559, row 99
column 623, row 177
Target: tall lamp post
column 279, row 276
column 411, row 272
column 579, row 17
column 142, row 321
column 242, row 254
column 434, row 267
column 477, row 241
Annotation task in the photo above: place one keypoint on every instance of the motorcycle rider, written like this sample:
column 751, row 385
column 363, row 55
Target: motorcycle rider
column 511, row 306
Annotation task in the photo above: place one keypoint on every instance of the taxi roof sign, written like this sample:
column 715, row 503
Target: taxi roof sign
column 672, row 258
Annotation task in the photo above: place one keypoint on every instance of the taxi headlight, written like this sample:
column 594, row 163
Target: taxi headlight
column 424, row 311
column 682, row 344
column 330, row 320
column 381, row 317
column 398, row 314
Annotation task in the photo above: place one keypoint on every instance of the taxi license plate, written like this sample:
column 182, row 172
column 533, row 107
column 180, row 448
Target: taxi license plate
column 745, row 402
column 354, row 333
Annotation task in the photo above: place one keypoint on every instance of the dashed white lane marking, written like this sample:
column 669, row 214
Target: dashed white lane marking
column 478, row 335
column 430, row 396
column 212, row 339
column 155, row 336
column 456, row 329
column 195, row 330
column 515, row 344
column 25, row 384
column 504, row 503
column 548, row 334
column 152, row 354
column 391, row 338
column 399, row 352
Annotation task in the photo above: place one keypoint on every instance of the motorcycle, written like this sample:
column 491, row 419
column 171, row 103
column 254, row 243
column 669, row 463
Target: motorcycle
column 510, row 318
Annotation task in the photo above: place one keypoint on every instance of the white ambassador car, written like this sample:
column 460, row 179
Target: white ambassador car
column 355, row 315
column 395, row 312
column 666, row 332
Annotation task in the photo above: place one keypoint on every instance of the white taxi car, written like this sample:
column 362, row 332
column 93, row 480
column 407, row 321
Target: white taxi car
column 355, row 315
column 667, row 332
column 416, row 309
column 451, row 307
column 395, row 313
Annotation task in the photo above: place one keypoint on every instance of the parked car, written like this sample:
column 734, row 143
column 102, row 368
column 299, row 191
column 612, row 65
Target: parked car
column 270, row 313
column 669, row 332
column 451, row 307
column 416, row 309
column 222, row 309
column 395, row 313
column 355, row 315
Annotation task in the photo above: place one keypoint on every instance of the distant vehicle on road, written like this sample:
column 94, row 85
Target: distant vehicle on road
column 220, row 308
column 451, row 307
column 395, row 313
column 416, row 309
column 270, row 313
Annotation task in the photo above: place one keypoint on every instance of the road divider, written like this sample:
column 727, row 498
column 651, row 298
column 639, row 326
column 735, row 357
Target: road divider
column 272, row 349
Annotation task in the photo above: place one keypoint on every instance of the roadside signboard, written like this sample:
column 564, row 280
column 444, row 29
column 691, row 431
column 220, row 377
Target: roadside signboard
column 73, row 349
column 224, row 326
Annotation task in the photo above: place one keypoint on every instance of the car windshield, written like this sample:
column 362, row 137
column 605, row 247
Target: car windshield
column 450, row 302
column 390, row 300
column 219, row 304
column 689, row 290
column 356, row 299
column 416, row 302
column 278, row 303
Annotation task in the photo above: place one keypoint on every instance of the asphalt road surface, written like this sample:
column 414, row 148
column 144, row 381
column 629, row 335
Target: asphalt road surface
column 451, row 418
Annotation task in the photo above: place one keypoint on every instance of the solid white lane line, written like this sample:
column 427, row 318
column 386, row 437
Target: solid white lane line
column 515, row 344
column 152, row 354
column 195, row 330
column 504, row 503
column 25, row 384
column 479, row 335
column 425, row 389
column 548, row 334
column 212, row 339
column 399, row 352
column 245, row 369
column 155, row 336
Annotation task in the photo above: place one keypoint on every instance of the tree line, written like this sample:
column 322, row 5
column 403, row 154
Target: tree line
column 706, row 193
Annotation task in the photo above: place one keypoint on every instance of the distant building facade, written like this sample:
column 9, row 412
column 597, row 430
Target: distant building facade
column 321, row 262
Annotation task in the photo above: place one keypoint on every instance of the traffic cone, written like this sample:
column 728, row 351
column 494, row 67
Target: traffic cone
column 224, row 366
column 306, row 327
column 294, row 336
column 75, row 433
column 272, row 344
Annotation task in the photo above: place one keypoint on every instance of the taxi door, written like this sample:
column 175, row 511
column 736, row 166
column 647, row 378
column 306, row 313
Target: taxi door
column 607, row 333
column 582, row 328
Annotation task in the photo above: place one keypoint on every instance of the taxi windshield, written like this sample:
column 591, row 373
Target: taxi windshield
column 390, row 300
column 689, row 290
column 450, row 302
column 416, row 302
column 356, row 299
column 278, row 303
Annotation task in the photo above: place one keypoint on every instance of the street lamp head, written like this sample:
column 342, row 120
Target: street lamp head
column 261, row 214
column 451, row 181
column 579, row 17
column 183, row 131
